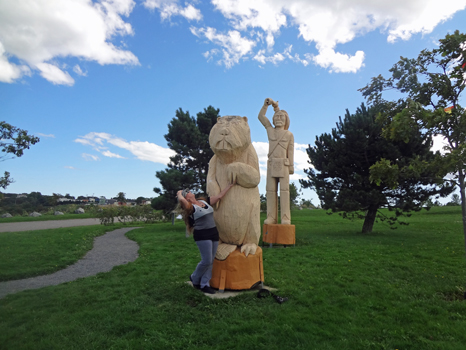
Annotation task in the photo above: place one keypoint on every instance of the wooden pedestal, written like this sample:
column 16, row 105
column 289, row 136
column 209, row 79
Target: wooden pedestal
column 278, row 234
column 238, row 272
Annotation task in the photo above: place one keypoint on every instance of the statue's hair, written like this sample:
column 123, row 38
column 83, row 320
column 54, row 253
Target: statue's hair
column 287, row 122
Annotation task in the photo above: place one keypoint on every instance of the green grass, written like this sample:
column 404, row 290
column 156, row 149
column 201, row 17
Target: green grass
column 392, row 289
column 32, row 253
column 47, row 217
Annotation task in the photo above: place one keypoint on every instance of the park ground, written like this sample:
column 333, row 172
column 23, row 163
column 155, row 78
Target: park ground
column 390, row 289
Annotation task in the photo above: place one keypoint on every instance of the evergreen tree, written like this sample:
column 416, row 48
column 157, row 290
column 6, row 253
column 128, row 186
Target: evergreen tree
column 342, row 164
column 189, row 138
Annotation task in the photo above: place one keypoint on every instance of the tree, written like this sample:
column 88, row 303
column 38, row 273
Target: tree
column 189, row 138
column 263, row 200
column 432, row 85
column 121, row 197
column 140, row 200
column 13, row 141
column 343, row 160
column 455, row 200
column 294, row 194
column 307, row 203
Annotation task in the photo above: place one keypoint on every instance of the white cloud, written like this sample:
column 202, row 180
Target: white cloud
column 90, row 157
column 112, row 155
column 37, row 32
column 45, row 135
column 169, row 8
column 337, row 62
column 328, row 24
column 276, row 58
column 54, row 74
column 69, row 167
column 143, row 150
column 234, row 46
column 77, row 69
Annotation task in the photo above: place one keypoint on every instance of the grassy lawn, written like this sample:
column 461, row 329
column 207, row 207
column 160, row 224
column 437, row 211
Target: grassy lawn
column 392, row 289
column 33, row 253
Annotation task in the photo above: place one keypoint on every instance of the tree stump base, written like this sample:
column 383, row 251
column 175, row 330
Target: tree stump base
column 238, row 272
column 278, row 234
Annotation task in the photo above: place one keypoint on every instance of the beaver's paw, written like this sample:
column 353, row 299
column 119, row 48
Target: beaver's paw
column 249, row 248
column 224, row 250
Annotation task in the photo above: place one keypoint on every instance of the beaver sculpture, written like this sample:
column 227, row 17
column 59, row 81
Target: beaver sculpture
column 235, row 160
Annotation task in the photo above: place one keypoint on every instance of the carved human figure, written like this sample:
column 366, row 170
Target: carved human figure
column 280, row 162
column 235, row 161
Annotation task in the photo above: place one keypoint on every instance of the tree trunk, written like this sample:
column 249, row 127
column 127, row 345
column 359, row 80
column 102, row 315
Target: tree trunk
column 369, row 220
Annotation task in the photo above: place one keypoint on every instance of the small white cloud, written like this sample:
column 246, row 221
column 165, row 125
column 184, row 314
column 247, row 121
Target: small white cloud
column 337, row 62
column 90, row 157
column 234, row 46
column 276, row 58
column 69, row 167
column 77, row 69
column 143, row 150
column 112, row 155
column 170, row 8
column 45, row 135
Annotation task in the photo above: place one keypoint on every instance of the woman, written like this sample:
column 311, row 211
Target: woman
column 199, row 214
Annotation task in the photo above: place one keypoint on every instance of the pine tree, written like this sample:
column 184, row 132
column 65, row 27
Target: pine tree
column 189, row 138
column 342, row 164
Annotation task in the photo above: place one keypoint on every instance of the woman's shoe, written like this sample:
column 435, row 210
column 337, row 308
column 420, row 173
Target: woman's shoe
column 208, row 290
column 197, row 286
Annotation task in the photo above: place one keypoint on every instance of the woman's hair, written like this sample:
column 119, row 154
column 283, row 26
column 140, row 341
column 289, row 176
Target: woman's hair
column 186, row 215
column 187, row 212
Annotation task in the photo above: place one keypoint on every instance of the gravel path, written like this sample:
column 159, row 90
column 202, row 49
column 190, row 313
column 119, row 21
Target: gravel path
column 43, row 225
column 111, row 249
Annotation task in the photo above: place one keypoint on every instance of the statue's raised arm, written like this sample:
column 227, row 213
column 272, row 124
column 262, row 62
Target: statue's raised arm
column 262, row 118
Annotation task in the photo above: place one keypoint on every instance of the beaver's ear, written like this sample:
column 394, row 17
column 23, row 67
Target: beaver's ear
column 245, row 119
column 218, row 118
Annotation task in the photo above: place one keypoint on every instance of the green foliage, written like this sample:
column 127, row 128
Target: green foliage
column 129, row 215
column 189, row 138
column 432, row 86
column 43, row 204
column 294, row 194
column 347, row 161
column 121, row 197
column 386, row 290
column 13, row 141
column 455, row 200
column 263, row 200
column 6, row 180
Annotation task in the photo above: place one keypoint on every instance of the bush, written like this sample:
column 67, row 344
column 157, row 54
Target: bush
column 129, row 215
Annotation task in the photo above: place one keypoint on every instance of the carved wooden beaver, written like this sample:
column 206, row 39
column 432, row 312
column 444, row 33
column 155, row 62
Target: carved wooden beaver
column 238, row 216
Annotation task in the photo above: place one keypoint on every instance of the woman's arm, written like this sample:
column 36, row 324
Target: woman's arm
column 215, row 199
column 184, row 203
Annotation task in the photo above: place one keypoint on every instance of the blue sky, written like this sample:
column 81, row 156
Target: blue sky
column 98, row 81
